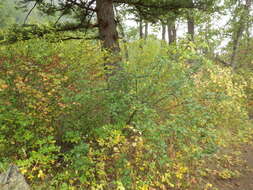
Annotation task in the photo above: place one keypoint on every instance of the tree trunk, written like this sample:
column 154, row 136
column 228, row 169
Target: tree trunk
column 236, row 40
column 191, row 27
column 108, row 33
column 172, row 32
column 146, row 30
column 141, row 28
column 163, row 32
column 107, row 25
column 109, row 36
column 248, row 32
column 242, row 24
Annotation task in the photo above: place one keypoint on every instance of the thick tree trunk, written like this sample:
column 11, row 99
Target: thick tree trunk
column 109, row 37
column 107, row 25
column 146, row 30
column 141, row 28
column 163, row 32
column 108, row 34
column 172, row 32
column 191, row 27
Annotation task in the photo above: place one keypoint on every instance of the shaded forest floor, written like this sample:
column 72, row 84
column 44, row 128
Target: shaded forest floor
column 241, row 167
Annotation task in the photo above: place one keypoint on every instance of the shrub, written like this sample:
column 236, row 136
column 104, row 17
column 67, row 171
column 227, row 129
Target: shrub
column 169, row 109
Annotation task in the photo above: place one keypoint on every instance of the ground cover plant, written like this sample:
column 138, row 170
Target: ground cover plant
column 67, row 129
column 127, row 94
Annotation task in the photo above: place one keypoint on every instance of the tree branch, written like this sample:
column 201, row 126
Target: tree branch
column 163, row 6
column 35, row 4
column 79, row 38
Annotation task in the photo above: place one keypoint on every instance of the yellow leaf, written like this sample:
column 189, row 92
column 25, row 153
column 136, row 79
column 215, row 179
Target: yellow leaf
column 41, row 174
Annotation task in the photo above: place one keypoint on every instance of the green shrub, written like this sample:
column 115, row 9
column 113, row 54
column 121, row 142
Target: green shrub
column 167, row 110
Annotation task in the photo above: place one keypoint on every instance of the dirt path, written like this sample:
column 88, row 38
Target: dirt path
column 245, row 181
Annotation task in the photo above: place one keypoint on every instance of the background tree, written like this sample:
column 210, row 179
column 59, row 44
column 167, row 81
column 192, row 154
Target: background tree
column 83, row 11
column 240, row 23
column 172, row 31
column 8, row 13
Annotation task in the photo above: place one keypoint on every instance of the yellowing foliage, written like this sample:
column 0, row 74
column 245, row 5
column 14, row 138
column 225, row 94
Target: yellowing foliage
column 168, row 110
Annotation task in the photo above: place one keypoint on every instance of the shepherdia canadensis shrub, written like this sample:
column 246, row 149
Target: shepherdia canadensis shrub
column 63, row 126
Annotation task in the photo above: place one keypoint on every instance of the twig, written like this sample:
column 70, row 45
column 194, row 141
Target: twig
column 131, row 117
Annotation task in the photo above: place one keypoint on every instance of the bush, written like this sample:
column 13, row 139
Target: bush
column 169, row 109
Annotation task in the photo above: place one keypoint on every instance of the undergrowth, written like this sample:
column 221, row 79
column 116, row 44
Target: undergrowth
column 170, row 110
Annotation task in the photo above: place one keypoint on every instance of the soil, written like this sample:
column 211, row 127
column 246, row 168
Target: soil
column 245, row 181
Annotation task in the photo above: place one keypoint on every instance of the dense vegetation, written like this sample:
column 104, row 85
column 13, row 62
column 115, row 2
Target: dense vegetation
column 79, row 114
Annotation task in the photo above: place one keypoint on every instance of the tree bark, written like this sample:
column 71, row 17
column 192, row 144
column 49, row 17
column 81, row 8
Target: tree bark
column 163, row 32
column 191, row 27
column 108, row 34
column 146, row 30
column 172, row 32
column 107, row 25
column 141, row 28
column 110, row 41
column 236, row 40
column 248, row 32
column 242, row 24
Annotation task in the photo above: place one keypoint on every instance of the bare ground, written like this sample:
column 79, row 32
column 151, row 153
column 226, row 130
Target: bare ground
column 245, row 180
